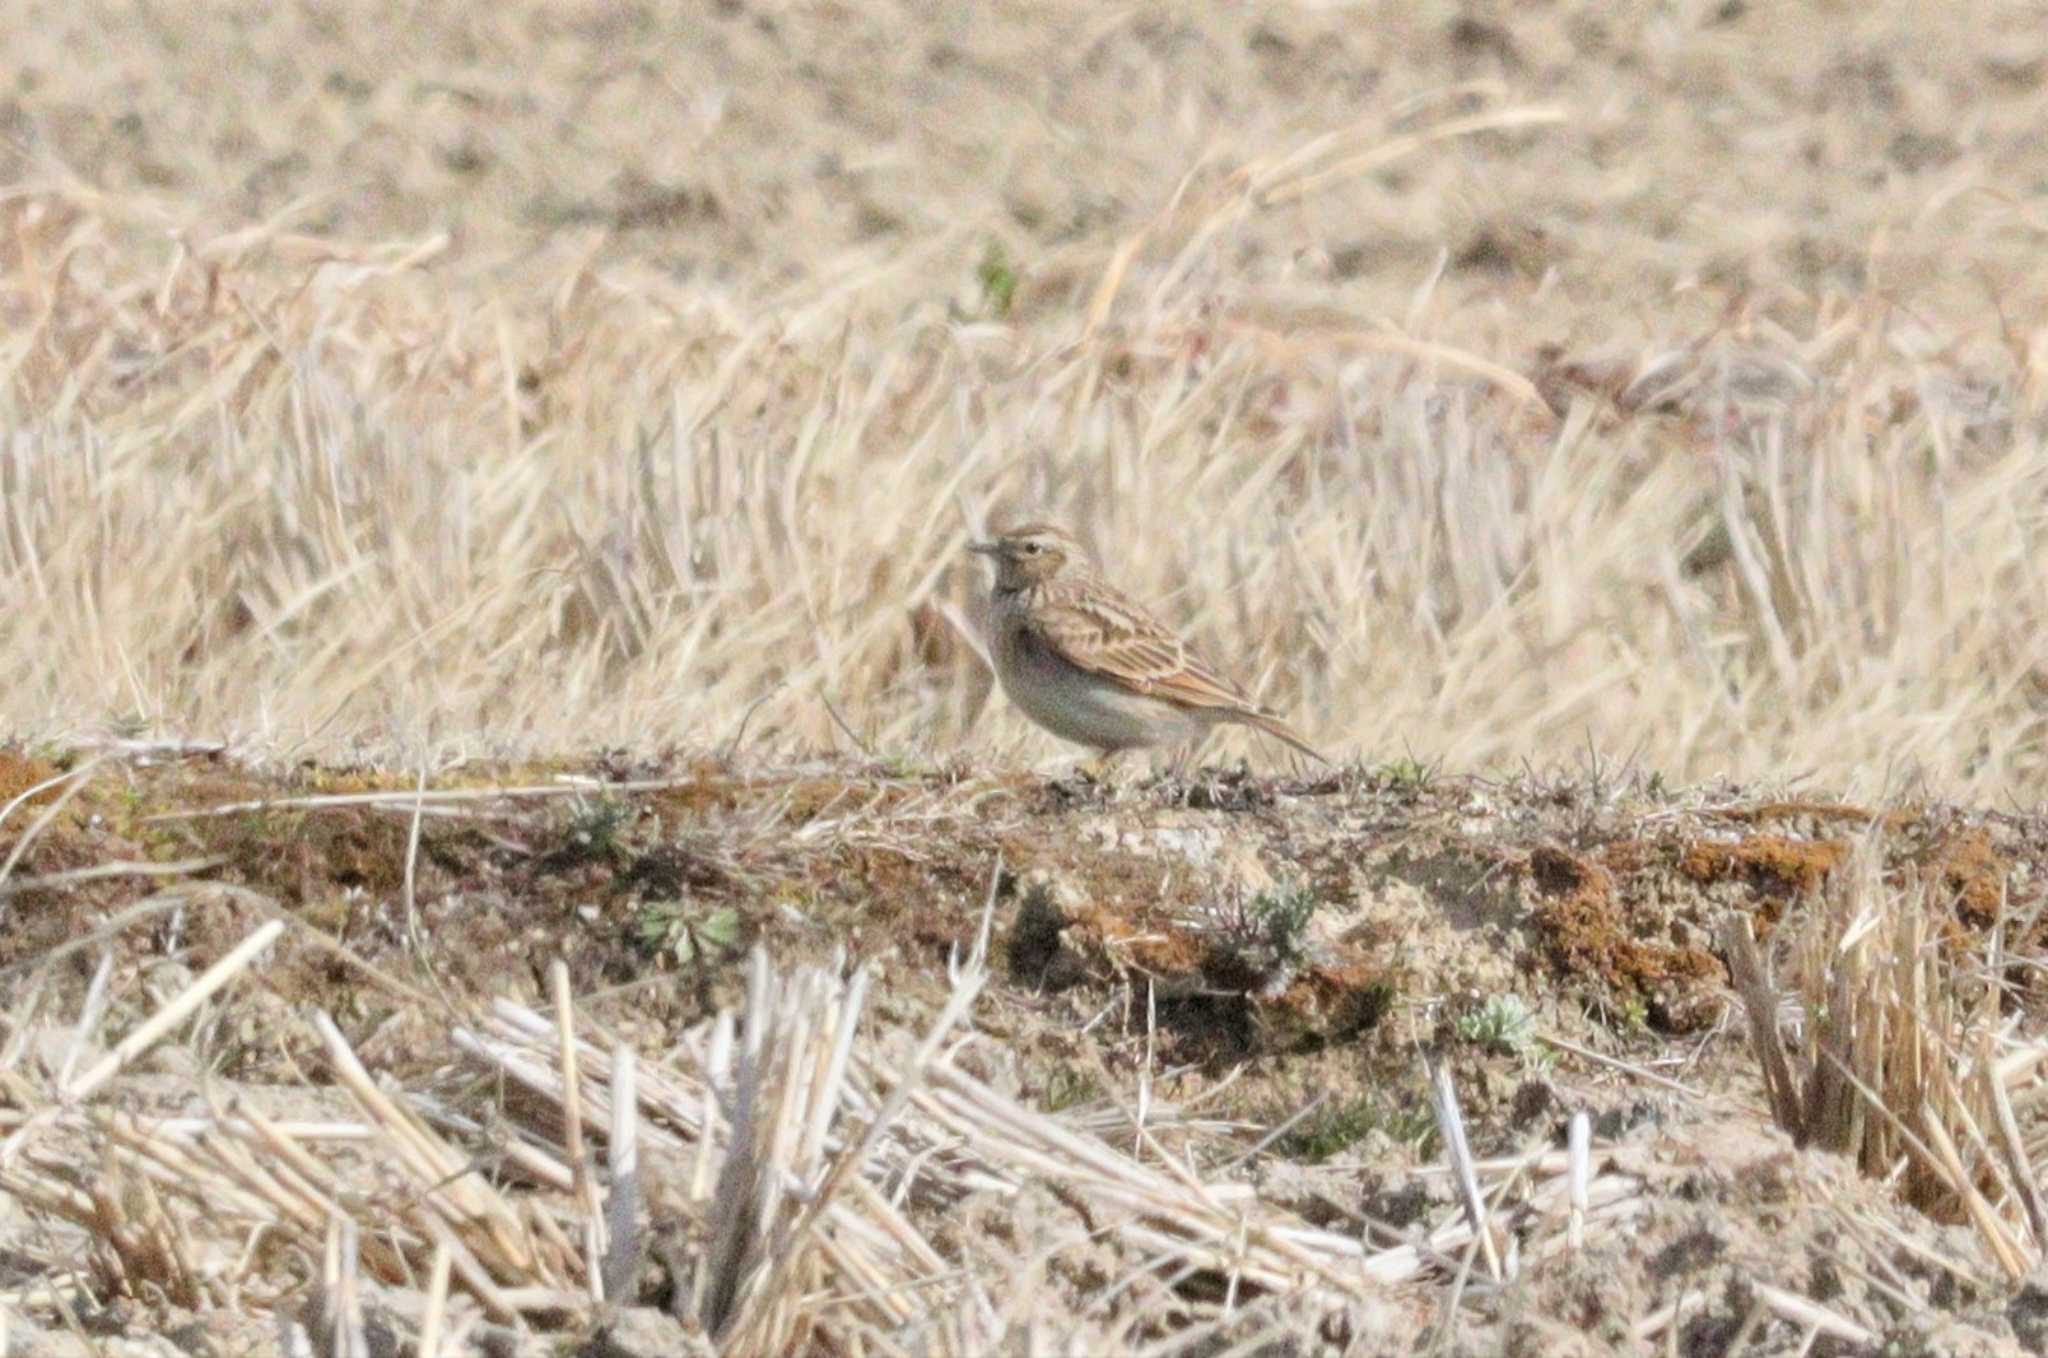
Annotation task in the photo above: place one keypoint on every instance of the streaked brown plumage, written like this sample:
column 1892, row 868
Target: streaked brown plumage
column 1091, row 665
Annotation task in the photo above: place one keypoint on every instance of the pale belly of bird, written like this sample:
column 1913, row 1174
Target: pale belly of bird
column 1082, row 707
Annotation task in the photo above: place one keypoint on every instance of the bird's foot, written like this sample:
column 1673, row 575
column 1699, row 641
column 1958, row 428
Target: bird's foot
column 1111, row 772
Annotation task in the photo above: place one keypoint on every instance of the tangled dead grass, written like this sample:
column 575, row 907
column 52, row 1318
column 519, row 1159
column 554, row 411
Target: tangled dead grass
column 1905, row 1051
column 782, row 1150
column 784, row 1165
column 844, row 1156
column 347, row 474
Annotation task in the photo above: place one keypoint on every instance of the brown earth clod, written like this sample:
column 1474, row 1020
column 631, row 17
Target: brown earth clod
column 1587, row 936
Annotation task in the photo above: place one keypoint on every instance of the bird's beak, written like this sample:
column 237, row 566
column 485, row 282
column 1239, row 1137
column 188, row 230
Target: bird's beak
column 983, row 548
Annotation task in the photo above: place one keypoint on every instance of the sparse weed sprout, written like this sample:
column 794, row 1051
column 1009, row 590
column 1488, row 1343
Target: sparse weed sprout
column 1407, row 774
column 1068, row 1088
column 1283, row 918
column 129, row 725
column 688, row 933
column 594, row 830
column 1267, row 936
column 998, row 279
column 1503, row 1024
column 1338, row 1126
column 899, row 765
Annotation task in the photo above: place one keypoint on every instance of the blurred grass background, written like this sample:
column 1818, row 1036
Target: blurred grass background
column 1482, row 383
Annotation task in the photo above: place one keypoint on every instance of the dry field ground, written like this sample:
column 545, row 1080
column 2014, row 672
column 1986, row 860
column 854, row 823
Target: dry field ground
column 482, row 485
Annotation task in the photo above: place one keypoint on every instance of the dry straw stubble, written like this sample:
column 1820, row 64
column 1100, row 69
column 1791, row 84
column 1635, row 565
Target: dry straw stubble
column 333, row 476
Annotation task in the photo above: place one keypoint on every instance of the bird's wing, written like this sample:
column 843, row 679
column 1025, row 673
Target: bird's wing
column 1095, row 628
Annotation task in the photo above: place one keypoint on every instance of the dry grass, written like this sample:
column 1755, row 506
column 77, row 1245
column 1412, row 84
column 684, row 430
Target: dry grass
column 417, row 387
column 801, row 1175
column 1909, row 1053
column 318, row 1075
column 788, row 1165
column 501, row 414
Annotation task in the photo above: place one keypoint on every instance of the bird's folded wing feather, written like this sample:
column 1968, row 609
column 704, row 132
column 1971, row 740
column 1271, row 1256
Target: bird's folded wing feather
column 1101, row 631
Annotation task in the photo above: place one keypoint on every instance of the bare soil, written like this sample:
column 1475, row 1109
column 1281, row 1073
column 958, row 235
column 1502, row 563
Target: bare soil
column 1131, row 948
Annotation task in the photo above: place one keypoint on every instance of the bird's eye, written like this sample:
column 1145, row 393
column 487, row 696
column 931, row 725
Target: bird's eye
column 1032, row 549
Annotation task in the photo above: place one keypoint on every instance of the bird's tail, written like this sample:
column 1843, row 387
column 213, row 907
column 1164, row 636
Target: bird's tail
column 1278, row 728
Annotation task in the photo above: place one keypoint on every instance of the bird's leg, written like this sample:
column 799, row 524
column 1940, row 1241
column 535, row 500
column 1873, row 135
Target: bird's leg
column 1104, row 770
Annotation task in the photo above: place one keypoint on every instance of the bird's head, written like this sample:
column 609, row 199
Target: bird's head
column 1037, row 551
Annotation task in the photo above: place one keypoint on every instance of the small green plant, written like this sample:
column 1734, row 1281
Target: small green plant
column 1069, row 1088
column 1632, row 1014
column 1503, row 1024
column 903, row 765
column 1265, row 939
column 593, row 832
column 1283, row 918
column 687, row 933
column 998, row 278
column 1336, row 1127
column 1327, row 1131
column 1406, row 774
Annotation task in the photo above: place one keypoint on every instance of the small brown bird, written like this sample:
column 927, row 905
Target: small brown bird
column 1091, row 666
